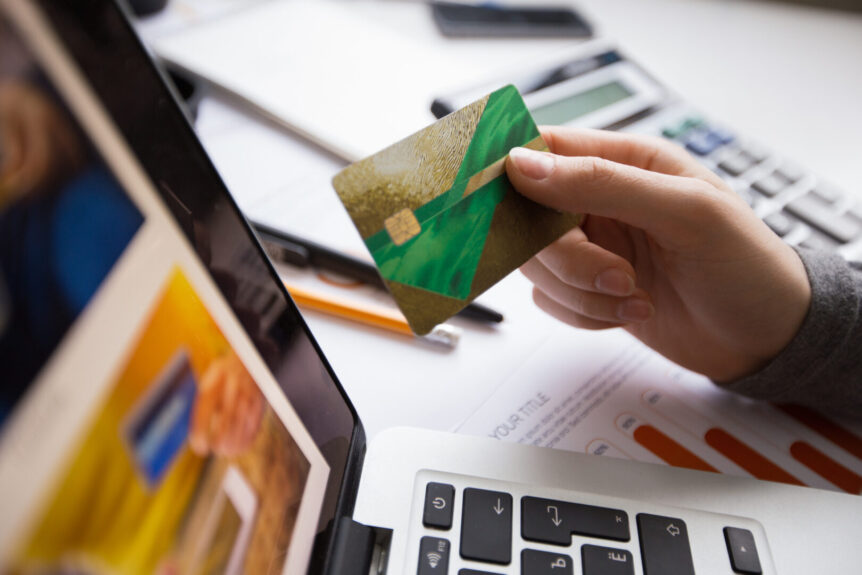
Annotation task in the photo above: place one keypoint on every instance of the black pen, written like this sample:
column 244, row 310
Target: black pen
column 301, row 252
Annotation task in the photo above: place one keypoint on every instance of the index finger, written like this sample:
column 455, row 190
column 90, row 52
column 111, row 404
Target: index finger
column 645, row 152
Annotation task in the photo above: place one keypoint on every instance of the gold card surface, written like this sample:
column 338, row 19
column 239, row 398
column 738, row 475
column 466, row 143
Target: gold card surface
column 438, row 213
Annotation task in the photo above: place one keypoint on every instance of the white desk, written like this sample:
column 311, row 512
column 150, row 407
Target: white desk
column 785, row 75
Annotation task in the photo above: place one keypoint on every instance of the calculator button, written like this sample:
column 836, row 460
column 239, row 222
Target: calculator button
column 750, row 198
column 791, row 172
column 474, row 572
column 433, row 556
column 702, row 142
column 664, row 545
column 827, row 193
column 606, row 561
column 551, row 521
column 771, row 185
column 780, row 223
column 543, row 563
column 681, row 128
column 755, row 152
column 486, row 526
column 724, row 136
column 736, row 164
column 817, row 241
column 742, row 551
column 438, row 505
column 814, row 212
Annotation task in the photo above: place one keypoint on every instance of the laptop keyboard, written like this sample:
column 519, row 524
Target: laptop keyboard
column 470, row 530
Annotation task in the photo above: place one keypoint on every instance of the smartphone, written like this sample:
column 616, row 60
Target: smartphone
column 494, row 21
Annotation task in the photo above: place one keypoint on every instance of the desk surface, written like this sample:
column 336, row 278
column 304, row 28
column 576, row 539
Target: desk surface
column 782, row 74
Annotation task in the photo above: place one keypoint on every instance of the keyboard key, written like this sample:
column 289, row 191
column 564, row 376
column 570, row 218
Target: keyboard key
column 664, row 545
column 602, row 522
column 606, row 561
column 438, row 505
column 546, row 521
column 474, row 572
column 780, row 223
column 551, row 521
column 433, row 556
column 486, row 526
column 736, row 164
column 543, row 563
column 742, row 551
column 770, row 185
column 814, row 212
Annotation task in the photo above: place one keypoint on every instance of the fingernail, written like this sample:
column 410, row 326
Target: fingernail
column 614, row 281
column 533, row 164
column 635, row 310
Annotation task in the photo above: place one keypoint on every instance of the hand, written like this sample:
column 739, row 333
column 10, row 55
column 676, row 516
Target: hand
column 667, row 251
column 38, row 145
column 227, row 411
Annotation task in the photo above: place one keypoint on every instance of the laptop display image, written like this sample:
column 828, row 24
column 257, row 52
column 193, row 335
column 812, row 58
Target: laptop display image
column 166, row 409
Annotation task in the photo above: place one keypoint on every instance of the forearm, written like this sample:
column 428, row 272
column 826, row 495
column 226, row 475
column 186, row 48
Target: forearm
column 822, row 366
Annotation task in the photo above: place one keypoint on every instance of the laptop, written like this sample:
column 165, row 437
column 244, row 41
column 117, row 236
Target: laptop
column 165, row 409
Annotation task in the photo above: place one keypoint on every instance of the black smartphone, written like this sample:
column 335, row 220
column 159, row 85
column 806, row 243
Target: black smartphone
column 494, row 21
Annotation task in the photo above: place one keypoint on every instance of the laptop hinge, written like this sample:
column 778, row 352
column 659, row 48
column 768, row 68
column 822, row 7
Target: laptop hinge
column 353, row 549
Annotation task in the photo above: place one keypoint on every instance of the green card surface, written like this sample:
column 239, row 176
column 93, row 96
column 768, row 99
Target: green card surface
column 438, row 213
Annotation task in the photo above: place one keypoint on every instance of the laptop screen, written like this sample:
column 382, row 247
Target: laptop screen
column 163, row 407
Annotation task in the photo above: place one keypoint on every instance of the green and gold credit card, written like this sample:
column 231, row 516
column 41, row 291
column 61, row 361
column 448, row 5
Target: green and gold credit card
column 438, row 213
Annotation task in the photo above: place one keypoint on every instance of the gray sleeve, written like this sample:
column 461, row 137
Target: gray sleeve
column 822, row 366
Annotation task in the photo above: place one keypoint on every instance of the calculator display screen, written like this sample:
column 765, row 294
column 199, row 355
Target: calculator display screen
column 580, row 104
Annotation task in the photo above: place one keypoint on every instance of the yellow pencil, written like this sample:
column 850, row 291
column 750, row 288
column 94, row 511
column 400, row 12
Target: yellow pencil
column 393, row 321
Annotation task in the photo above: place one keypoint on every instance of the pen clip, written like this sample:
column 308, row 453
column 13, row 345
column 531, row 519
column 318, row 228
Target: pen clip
column 287, row 252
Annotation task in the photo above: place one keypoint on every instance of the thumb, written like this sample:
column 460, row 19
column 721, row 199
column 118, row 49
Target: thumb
column 655, row 202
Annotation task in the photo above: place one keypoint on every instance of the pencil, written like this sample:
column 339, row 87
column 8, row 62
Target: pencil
column 443, row 334
column 300, row 252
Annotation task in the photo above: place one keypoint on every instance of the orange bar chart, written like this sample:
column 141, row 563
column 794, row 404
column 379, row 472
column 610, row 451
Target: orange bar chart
column 746, row 457
column 826, row 467
column 835, row 433
column 668, row 449
column 719, row 439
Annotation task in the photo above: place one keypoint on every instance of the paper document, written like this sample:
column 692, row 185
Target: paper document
column 329, row 73
column 351, row 76
column 608, row 394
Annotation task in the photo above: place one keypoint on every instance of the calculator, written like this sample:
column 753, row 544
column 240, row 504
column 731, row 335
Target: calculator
column 601, row 88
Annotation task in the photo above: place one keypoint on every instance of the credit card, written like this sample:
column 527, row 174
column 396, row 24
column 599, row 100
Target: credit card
column 158, row 427
column 438, row 213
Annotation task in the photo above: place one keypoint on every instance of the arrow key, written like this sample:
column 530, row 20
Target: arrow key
column 664, row 545
column 486, row 526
